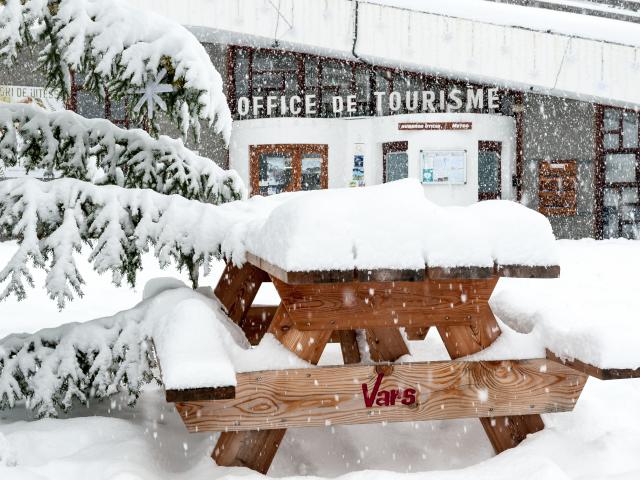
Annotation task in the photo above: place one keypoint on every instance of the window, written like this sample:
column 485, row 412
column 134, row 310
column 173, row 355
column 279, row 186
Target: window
column 395, row 161
column 286, row 168
column 557, row 188
column 274, row 75
column 489, row 182
column 618, row 174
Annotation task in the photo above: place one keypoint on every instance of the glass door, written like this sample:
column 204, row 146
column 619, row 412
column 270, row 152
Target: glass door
column 395, row 161
column 489, row 182
column 287, row 168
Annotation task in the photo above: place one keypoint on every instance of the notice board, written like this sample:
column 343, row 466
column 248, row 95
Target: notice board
column 444, row 167
column 557, row 188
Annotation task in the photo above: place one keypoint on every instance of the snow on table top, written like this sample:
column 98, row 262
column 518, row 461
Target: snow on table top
column 393, row 226
column 387, row 227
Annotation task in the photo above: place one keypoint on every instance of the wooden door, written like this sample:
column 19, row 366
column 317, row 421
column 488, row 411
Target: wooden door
column 287, row 168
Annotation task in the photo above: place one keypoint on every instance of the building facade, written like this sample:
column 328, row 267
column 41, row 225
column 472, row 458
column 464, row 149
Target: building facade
column 307, row 117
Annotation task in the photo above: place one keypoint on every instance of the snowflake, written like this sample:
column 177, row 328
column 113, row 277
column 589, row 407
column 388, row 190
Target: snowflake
column 151, row 94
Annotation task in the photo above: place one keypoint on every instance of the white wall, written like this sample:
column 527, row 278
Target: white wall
column 341, row 134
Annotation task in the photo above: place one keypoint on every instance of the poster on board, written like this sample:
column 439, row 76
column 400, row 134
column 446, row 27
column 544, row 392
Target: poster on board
column 444, row 167
column 357, row 178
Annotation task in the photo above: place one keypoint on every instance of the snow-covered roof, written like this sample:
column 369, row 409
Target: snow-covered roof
column 528, row 17
column 559, row 53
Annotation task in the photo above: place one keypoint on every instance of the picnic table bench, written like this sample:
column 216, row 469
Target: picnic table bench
column 378, row 307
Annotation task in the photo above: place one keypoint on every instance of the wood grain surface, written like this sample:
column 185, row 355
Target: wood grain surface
column 237, row 288
column 399, row 275
column 349, row 306
column 255, row 448
column 334, row 396
column 508, row 430
column 386, row 344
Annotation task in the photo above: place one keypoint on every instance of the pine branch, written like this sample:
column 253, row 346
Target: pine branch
column 119, row 49
column 52, row 368
column 95, row 150
column 51, row 220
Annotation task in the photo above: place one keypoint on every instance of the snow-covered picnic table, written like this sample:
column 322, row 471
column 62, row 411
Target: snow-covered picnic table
column 368, row 268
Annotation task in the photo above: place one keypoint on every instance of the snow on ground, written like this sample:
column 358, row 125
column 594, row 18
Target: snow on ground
column 599, row 440
column 108, row 440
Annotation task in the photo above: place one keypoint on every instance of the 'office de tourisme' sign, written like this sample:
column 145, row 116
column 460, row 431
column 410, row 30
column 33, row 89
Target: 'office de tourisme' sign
column 429, row 101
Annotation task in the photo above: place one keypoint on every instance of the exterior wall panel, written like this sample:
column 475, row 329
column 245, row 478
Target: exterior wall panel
column 561, row 129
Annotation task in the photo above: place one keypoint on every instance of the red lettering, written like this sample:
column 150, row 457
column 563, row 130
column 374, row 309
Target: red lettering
column 383, row 399
column 395, row 394
column 368, row 399
column 409, row 397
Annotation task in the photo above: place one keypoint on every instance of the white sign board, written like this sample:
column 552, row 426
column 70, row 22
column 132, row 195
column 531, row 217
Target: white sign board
column 444, row 167
column 40, row 96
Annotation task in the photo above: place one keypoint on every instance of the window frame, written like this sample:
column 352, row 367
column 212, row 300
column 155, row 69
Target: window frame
column 296, row 151
column 72, row 104
column 601, row 183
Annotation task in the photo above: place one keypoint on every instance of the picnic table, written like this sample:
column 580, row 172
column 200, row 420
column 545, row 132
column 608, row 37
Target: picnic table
column 319, row 307
column 382, row 308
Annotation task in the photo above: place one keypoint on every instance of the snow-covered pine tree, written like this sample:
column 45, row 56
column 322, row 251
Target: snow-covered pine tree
column 121, row 191
column 121, row 50
column 129, row 54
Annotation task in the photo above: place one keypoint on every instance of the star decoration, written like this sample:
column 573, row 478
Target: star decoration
column 151, row 94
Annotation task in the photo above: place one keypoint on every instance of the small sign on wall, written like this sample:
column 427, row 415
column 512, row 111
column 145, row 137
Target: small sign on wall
column 435, row 126
column 40, row 96
column 444, row 167
column 357, row 179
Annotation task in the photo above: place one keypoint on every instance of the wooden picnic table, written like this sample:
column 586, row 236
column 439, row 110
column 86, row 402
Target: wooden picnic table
column 319, row 307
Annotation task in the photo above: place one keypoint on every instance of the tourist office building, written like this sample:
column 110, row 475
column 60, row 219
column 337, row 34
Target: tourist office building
column 307, row 120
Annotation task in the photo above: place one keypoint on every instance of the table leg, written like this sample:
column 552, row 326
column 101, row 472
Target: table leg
column 503, row 432
column 386, row 344
column 416, row 333
column 257, row 449
column 349, row 346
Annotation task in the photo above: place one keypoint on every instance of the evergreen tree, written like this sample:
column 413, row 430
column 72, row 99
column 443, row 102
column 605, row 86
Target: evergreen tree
column 118, row 191
column 158, row 66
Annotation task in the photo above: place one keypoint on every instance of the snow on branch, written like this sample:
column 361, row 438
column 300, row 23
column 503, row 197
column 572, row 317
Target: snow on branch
column 52, row 219
column 120, row 49
column 197, row 345
column 97, row 151
column 51, row 368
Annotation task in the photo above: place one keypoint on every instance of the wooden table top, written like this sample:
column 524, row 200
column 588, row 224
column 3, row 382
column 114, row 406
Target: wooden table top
column 403, row 275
